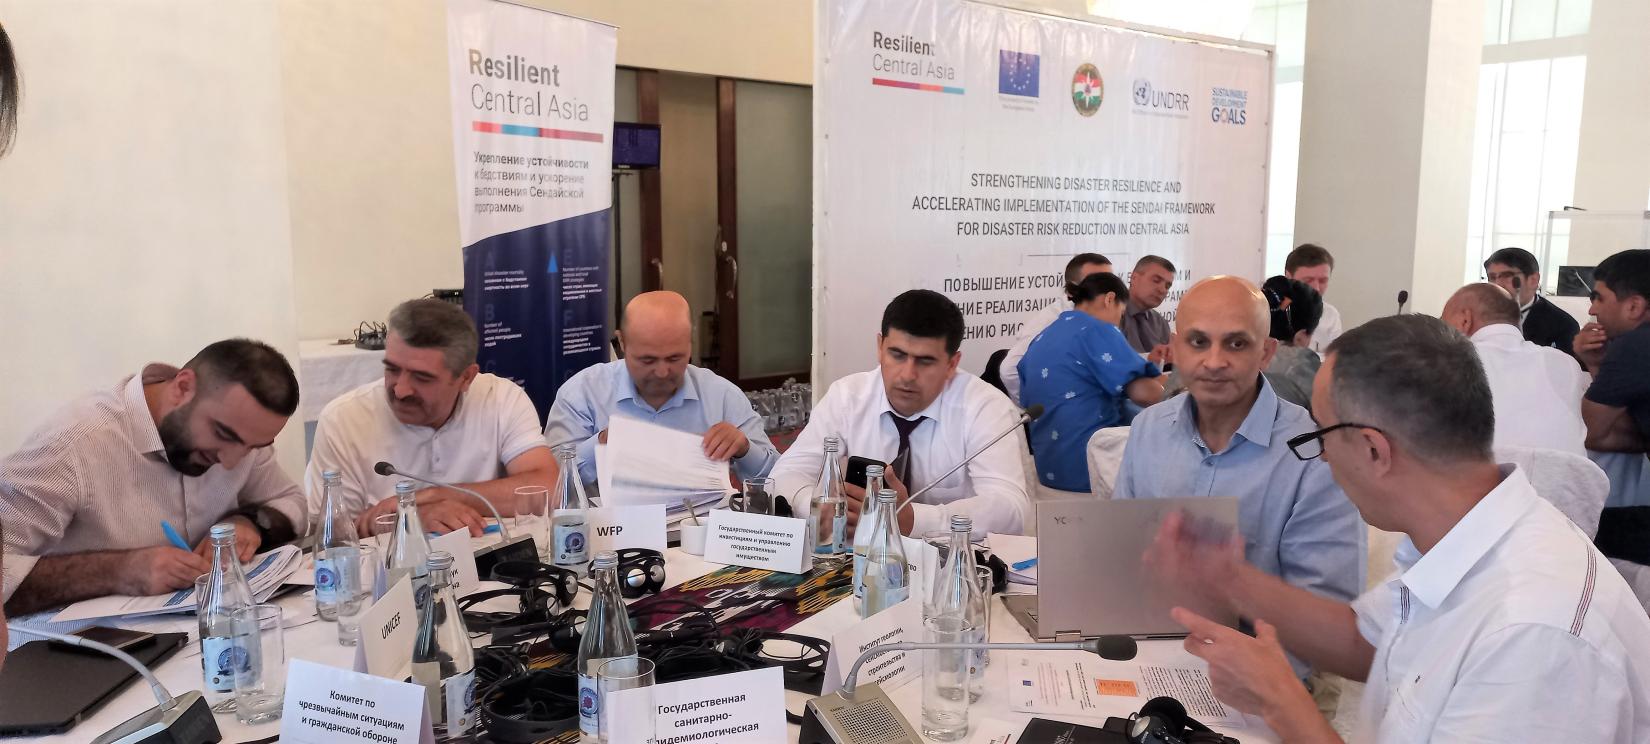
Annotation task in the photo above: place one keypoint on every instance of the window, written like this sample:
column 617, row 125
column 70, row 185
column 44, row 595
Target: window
column 1282, row 23
column 1529, row 125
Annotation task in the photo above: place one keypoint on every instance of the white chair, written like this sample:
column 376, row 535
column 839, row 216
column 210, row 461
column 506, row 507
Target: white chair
column 1105, row 456
column 1571, row 482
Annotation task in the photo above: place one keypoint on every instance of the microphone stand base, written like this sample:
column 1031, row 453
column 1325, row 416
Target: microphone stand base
column 869, row 718
column 188, row 722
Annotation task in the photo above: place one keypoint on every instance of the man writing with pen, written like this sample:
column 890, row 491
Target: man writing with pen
column 90, row 496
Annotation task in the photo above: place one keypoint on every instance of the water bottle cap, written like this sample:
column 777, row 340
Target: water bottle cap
column 833, row 444
column 962, row 523
column 439, row 560
column 330, row 476
column 873, row 471
column 886, row 496
column 566, row 450
column 605, row 559
column 223, row 529
column 405, row 486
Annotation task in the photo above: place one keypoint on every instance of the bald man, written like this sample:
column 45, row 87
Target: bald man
column 655, row 383
column 1228, row 436
column 1537, row 390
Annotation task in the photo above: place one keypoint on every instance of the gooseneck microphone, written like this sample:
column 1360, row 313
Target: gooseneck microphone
column 510, row 548
column 1403, row 297
column 864, row 715
column 384, row 468
column 1027, row 416
column 185, row 719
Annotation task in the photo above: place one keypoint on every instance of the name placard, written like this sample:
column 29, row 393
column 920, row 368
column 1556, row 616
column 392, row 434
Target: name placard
column 325, row 705
column 387, row 630
column 464, row 571
column 620, row 527
column 902, row 622
column 739, row 708
column 757, row 541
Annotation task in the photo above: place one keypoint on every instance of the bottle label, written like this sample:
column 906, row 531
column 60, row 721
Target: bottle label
column 570, row 543
column 459, row 691
column 839, row 532
column 221, row 659
column 326, row 582
column 589, row 702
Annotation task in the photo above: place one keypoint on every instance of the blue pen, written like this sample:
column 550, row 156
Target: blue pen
column 1025, row 564
column 172, row 536
column 487, row 530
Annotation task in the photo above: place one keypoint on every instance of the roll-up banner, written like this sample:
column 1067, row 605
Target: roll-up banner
column 532, row 100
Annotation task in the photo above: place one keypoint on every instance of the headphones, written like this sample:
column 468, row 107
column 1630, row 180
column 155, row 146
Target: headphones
column 545, row 591
column 641, row 572
column 1163, row 720
column 532, row 707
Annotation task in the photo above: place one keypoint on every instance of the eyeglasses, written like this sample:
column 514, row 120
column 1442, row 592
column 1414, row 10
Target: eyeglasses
column 1309, row 446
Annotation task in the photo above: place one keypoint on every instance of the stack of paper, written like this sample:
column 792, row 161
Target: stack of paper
column 266, row 573
column 644, row 463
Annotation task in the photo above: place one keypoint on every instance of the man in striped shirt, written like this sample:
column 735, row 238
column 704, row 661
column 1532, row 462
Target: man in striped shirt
column 84, row 499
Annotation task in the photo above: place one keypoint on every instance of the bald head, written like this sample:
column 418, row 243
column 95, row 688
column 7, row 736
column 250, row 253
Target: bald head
column 657, row 337
column 1222, row 341
column 1477, row 305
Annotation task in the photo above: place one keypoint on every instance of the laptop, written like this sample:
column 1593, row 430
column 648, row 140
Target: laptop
column 1090, row 579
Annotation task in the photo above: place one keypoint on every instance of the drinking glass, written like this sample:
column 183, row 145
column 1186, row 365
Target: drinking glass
column 383, row 526
column 260, row 681
column 945, row 678
column 357, row 586
column 624, row 673
column 759, row 495
column 532, row 516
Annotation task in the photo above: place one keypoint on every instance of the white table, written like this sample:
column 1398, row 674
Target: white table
column 327, row 369
column 318, row 642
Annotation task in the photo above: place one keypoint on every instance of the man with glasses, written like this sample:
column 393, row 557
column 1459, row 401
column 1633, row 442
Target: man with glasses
column 1226, row 437
column 1503, row 621
column 1543, row 323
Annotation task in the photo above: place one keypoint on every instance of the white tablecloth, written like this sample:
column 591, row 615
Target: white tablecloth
column 327, row 369
column 318, row 642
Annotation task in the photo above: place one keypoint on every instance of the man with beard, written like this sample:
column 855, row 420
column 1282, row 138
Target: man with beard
column 1229, row 437
column 435, row 414
column 83, row 500
column 655, row 383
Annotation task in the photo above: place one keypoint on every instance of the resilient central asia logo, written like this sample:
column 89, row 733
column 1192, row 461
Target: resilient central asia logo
column 1087, row 89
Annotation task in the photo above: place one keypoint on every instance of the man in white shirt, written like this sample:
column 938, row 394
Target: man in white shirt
column 435, row 415
column 923, row 415
column 1311, row 265
column 655, row 383
column 1077, row 269
column 1504, row 622
column 1537, row 389
column 84, row 498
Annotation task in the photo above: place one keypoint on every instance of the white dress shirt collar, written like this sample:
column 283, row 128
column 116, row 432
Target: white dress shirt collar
column 1439, row 571
column 1504, row 335
column 932, row 412
column 140, row 423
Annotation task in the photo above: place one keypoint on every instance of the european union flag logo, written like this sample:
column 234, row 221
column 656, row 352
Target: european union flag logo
column 1017, row 73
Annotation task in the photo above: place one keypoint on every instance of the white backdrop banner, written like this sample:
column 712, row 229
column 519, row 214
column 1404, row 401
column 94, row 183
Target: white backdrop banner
column 972, row 150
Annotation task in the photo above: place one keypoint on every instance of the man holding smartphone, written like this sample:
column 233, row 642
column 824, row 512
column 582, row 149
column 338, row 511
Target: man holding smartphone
column 922, row 415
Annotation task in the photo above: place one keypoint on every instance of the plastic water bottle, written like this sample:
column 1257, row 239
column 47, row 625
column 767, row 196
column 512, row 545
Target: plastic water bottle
column 887, row 575
column 569, row 538
column 606, row 636
column 828, row 519
column 337, row 551
column 226, row 592
column 443, row 661
column 863, row 532
column 409, row 546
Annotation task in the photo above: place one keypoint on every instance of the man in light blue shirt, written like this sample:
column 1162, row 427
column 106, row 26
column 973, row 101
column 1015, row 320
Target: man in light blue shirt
column 1227, row 436
column 655, row 383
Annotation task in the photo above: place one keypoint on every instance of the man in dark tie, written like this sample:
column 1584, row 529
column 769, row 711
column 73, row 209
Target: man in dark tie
column 922, row 415
column 1543, row 323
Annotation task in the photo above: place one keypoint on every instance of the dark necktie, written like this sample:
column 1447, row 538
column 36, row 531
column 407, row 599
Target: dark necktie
column 902, row 459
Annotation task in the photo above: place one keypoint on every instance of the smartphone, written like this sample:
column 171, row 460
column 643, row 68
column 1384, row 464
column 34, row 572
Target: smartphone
column 855, row 473
column 125, row 640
